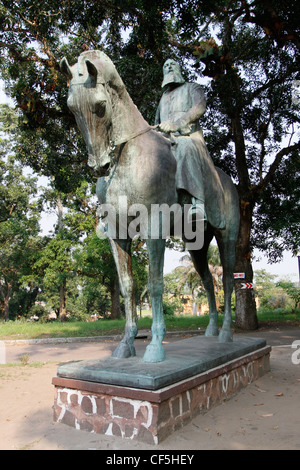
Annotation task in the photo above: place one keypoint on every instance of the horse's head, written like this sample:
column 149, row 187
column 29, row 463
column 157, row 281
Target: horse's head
column 91, row 81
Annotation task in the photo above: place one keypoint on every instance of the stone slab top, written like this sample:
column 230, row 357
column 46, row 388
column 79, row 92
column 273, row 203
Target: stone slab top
column 184, row 359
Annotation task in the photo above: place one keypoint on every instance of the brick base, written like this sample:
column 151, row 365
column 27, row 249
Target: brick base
column 151, row 416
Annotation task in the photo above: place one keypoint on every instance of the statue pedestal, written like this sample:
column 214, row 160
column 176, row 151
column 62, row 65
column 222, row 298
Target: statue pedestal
column 136, row 400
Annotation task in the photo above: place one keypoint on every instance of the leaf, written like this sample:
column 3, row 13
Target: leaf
column 267, row 415
column 280, row 394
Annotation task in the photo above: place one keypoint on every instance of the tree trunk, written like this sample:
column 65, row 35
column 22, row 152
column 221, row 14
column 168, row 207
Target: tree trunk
column 115, row 300
column 6, row 299
column 62, row 300
column 245, row 314
column 6, row 302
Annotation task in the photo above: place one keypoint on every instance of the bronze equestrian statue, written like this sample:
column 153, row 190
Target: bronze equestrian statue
column 139, row 166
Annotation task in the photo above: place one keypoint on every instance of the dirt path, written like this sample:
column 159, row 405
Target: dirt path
column 266, row 415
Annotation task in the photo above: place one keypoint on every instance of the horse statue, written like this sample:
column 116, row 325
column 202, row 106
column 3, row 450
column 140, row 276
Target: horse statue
column 136, row 164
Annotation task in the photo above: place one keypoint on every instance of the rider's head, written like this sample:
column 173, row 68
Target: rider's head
column 172, row 73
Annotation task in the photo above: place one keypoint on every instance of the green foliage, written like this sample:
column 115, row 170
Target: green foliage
column 38, row 311
column 273, row 294
column 292, row 290
column 49, row 141
column 184, row 280
column 169, row 308
column 267, row 314
column 19, row 228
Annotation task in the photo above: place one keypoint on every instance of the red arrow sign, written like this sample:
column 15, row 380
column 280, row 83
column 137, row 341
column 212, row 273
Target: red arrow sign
column 247, row 285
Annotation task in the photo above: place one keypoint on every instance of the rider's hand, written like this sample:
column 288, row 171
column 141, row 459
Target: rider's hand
column 168, row 126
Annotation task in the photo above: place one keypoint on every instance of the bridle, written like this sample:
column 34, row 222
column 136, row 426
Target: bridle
column 129, row 137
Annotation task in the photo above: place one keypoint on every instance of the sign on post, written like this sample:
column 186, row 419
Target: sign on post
column 239, row 275
column 247, row 285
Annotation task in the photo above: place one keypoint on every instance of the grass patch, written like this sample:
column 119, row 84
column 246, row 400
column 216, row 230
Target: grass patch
column 25, row 330
column 279, row 315
column 17, row 370
column 21, row 366
column 15, row 330
column 185, row 322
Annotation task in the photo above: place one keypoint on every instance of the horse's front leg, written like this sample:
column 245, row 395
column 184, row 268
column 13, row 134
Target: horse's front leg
column 121, row 250
column 156, row 250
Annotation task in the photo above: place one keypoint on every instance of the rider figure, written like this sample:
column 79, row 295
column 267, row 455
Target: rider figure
column 178, row 113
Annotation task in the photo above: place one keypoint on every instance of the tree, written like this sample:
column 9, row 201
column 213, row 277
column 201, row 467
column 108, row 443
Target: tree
column 55, row 264
column 265, row 288
column 76, row 219
column 94, row 261
column 292, row 291
column 19, row 228
column 34, row 39
column 249, row 50
column 186, row 276
column 19, row 224
column 251, row 130
column 275, row 294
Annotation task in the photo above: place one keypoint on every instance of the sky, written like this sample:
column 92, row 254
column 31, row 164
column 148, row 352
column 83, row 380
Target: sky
column 3, row 97
column 288, row 268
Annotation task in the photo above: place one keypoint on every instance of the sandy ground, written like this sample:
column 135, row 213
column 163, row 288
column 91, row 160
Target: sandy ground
column 265, row 415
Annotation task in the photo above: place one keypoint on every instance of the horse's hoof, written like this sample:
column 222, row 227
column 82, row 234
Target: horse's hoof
column 124, row 350
column 212, row 330
column 225, row 336
column 154, row 353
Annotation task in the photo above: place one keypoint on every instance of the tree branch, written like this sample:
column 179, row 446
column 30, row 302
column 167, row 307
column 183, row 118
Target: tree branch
column 264, row 131
column 274, row 166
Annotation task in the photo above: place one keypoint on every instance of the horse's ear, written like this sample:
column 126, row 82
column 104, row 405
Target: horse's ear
column 92, row 70
column 65, row 68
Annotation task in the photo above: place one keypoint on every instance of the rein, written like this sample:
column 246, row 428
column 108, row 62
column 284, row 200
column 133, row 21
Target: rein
column 131, row 136
column 120, row 142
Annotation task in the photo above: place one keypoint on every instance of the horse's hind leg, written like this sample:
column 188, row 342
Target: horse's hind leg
column 199, row 258
column 156, row 250
column 227, row 254
column 121, row 250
